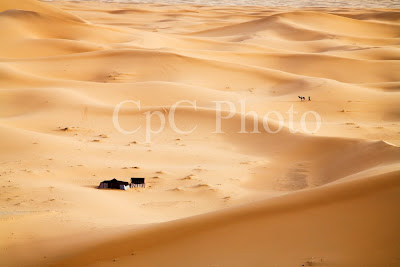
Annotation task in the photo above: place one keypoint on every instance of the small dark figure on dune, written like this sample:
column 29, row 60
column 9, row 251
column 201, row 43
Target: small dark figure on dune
column 302, row 98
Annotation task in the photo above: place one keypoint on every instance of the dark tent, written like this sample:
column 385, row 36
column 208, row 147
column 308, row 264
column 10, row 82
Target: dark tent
column 138, row 182
column 114, row 184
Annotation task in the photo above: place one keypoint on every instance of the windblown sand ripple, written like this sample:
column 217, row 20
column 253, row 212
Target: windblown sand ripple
column 235, row 199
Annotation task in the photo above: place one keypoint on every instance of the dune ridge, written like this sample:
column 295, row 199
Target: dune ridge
column 204, row 229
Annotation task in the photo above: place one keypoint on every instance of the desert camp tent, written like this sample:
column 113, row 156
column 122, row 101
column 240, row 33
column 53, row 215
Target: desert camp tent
column 138, row 182
column 114, row 184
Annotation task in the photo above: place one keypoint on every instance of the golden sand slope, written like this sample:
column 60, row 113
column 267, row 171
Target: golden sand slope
column 232, row 199
column 325, row 226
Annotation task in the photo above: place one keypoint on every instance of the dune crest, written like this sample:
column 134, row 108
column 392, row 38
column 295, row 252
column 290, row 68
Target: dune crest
column 22, row 6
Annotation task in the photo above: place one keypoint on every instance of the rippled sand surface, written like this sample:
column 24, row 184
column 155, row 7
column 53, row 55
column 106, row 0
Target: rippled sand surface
column 289, row 3
column 242, row 198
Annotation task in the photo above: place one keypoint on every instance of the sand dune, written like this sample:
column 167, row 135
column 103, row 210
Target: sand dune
column 308, row 26
column 36, row 6
column 311, row 226
column 235, row 199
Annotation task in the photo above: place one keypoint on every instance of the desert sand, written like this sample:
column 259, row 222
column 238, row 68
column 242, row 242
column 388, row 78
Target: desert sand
column 329, row 198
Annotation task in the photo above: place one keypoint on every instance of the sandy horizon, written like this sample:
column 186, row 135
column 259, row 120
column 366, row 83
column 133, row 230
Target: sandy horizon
column 305, row 183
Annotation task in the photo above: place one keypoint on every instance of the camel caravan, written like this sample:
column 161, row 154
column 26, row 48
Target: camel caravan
column 303, row 98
